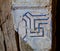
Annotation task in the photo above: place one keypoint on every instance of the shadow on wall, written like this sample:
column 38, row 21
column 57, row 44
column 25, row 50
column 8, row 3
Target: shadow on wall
column 54, row 6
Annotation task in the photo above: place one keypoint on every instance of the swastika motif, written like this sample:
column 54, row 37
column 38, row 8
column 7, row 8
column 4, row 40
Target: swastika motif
column 33, row 22
column 34, row 27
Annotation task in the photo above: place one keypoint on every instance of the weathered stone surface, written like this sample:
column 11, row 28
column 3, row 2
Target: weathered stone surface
column 6, row 24
column 24, row 46
column 9, row 35
column 41, row 3
column 5, row 10
column 1, row 41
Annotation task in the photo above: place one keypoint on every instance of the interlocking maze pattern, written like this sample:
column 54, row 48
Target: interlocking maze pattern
column 30, row 23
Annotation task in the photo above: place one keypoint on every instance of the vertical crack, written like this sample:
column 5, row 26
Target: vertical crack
column 4, row 43
column 17, row 40
column 5, row 46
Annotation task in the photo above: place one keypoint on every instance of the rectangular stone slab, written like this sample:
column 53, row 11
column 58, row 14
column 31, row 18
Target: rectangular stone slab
column 34, row 27
column 32, row 20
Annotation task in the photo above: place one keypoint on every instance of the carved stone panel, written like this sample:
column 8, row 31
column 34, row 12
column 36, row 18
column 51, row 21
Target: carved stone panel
column 32, row 20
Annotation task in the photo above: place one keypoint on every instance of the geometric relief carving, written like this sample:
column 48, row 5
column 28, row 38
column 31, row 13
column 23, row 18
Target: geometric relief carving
column 33, row 24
